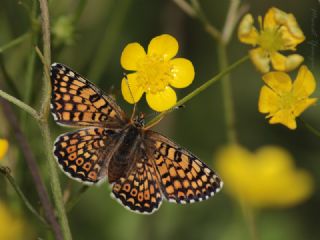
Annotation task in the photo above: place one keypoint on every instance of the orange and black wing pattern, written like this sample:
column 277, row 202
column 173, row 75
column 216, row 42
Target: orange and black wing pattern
column 140, row 190
column 77, row 102
column 182, row 176
column 82, row 154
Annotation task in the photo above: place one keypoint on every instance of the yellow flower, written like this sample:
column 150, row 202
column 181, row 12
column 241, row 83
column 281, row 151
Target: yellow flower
column 267, row 178
column 278, row 32
column 11, row 227
column 3, row 147
column 285, row 101
column 154, row 72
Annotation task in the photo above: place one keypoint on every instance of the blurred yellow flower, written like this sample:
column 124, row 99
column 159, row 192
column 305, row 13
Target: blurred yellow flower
column 267, row 178
column 278, row 32
column 154, row 72
column 3, row 147
column 11, row 227
column 285, row 101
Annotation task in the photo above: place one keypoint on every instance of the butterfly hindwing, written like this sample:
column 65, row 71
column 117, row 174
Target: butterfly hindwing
column 183, row 177
column 140, row 190
column 77, row 102
column 82, row 153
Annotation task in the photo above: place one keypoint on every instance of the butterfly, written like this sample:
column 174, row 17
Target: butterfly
column 142, row 166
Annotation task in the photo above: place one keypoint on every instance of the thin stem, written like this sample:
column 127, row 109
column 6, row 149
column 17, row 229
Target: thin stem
column 54, row 178
column 76, row 198
column 231, row 21
column 33, row 168
column 213, row 31
column 249, row 217
column 45, row 23
column 186, row 7
column 79, row 10
column 111, row 33
column 14, row 42
column 312, row 129
column 20, row 104
column 227, row 95
column 200, row 89
column 5, row 171
column 29, row 76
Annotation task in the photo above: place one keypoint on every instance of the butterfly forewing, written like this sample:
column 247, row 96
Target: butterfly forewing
column 77, row 102
column 183, row 177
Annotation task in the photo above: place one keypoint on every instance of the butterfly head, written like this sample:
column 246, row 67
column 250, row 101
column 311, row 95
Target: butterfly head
column 139, row 121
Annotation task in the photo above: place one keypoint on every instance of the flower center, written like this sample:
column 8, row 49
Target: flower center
column 154, row 73
column 271, row 39
column 288, row 101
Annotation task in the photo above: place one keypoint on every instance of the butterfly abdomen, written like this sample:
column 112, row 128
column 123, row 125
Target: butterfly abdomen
column 122, row 161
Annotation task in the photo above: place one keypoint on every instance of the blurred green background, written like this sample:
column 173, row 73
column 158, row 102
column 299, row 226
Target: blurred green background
column 89, row 36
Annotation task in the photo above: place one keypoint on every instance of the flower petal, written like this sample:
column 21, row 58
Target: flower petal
column 305, row 84
column 268, row 101
column 284, row 117
column 287, row 25
column 4, row 145
column 279, row 82
column 162, row 101
column 247, row 33
column 131, row 55
column 131, row 91
column 260, row 59
column 303, row 105
column 286, row 64
column 291, row 33
column 269, row 21
column 164, row 45
column 183, row 72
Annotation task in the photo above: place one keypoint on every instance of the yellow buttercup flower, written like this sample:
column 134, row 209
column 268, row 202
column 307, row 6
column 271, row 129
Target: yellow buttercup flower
column 267, row 178
column 284, row 100
column 279, row 31
column 155, row 72
column 11, row 227
column 3, row 147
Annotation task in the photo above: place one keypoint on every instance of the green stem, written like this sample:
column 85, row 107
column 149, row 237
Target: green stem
column 109, row 40
column 79, row 10
column 76, row 198
column 14, row 42
column 54, row 181
column 227, row 95
column 200, row 89
column 249, row 217
column 5, row 171
column 44, row 125
column 186, row 7
column 312, row 129
column 214, row 32
column 20, row 104
column 231, row 21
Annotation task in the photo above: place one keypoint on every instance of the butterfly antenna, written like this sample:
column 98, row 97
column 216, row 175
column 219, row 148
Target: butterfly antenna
column 135, row 104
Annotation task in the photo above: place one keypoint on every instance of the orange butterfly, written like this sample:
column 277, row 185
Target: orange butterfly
column 143, row 166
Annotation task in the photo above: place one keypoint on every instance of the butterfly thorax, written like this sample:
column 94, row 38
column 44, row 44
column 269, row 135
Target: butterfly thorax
column 139, row 121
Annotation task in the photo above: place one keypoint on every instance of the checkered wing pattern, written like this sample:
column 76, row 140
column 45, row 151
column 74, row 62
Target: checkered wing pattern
column 77, row 102
column 183, row 177
column 82, row 154
column 139, row 191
